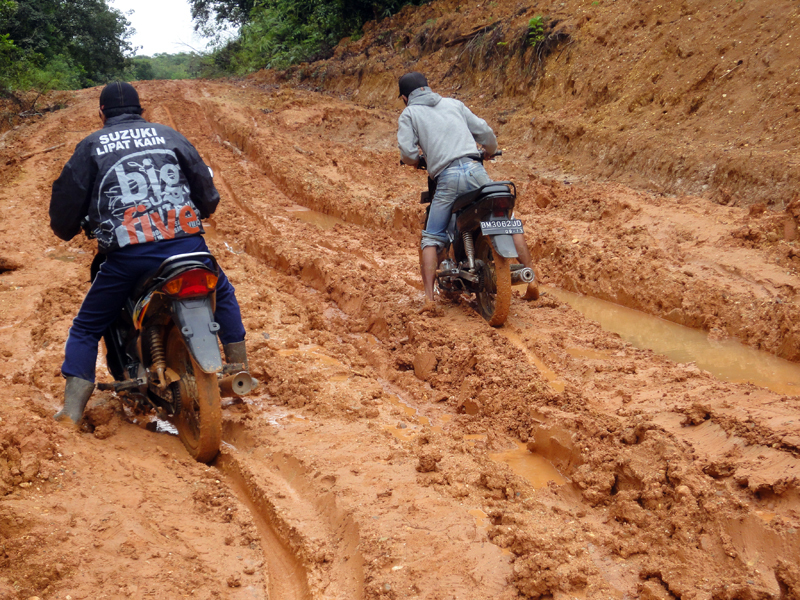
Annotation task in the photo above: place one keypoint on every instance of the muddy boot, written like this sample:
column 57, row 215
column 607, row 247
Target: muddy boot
column 237, row 353
column 430, row 308
column 76, row 395
column 532, row 293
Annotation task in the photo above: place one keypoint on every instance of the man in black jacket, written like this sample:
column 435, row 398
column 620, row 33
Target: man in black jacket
column 143, row 189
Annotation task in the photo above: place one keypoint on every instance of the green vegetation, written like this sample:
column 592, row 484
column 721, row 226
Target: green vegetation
column 535, row 30
column 59, row 44
column 280, row 33
column 183, row 65
column 212, row 16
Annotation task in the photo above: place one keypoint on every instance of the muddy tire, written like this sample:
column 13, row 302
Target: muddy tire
column 532, row 292
column 495, row 301
column 199, row 421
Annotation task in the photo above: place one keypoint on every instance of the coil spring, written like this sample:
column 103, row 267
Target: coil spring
column 469, row 248
column 157, row 349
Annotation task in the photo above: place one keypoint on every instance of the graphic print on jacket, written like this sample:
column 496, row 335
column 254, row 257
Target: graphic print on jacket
column 147, row 199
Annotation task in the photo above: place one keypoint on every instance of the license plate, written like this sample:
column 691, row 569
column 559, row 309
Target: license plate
column 501, row 227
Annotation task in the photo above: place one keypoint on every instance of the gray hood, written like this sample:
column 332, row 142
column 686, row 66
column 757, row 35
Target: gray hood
column 424, row 96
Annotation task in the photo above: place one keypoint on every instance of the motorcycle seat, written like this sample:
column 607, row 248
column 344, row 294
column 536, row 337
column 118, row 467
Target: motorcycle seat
column 492, row 189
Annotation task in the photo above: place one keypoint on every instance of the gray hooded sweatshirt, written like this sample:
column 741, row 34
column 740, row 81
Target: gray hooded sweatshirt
column 444, row 128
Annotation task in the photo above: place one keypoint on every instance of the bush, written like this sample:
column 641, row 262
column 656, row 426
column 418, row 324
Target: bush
column 536, row 30
column 26, row 74
column 165, row 66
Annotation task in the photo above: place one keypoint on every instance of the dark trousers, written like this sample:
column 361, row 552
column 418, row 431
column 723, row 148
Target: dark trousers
column 115, row 282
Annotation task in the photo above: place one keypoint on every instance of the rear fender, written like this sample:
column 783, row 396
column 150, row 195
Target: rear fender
column 504, row 245
column 195, row 319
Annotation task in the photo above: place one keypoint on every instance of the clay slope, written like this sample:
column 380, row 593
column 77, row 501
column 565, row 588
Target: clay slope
column 698, row 96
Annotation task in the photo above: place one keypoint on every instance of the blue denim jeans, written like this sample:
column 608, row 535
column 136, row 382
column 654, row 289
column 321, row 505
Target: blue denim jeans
column 451, row 183
column 114, row 283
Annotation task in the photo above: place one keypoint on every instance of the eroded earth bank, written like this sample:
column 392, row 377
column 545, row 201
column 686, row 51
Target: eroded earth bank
column 371, row 462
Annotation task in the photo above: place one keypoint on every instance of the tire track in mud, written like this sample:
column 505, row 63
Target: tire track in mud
column 349, row 590
column 290, row 533
column 286, row 576
column 310, row 546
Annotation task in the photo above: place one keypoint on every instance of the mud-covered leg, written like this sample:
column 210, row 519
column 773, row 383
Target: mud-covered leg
column 532, row 292
column 76, row 395
column 236, row 353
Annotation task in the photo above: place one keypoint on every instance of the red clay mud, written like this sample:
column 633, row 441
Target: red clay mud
column 366, row 463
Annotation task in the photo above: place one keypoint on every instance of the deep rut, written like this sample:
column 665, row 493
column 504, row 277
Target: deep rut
column 286, row 576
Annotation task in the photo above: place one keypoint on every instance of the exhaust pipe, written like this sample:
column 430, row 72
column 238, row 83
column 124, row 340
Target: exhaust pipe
column 236, row 385
column 524, row 275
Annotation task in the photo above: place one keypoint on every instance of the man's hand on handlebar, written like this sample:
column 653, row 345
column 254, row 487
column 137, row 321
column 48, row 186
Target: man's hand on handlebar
column 419, row 165
column 484, row 157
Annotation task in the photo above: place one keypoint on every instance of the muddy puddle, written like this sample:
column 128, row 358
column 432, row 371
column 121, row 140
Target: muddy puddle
column 212, row 234
column 314, row 217
column 536, row 469
column 727, row 360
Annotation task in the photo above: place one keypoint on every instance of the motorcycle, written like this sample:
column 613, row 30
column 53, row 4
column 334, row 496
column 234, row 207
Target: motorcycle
column 482, row 247
column 164, row 354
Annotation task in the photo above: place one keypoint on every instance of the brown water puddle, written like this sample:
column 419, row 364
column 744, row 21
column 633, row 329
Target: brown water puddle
column 588, row 353
column 405, row 434
column 532, row 467
column 481, row 518
column 727, row 360
column 212, row 233
column 314, row 217
column 395, row 399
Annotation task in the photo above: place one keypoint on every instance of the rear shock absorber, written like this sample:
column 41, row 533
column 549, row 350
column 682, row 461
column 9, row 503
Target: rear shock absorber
column 158, row 354
column 469, row 249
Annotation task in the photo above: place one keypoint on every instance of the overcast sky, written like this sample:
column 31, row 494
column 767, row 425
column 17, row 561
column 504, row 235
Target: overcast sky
column 161, row 26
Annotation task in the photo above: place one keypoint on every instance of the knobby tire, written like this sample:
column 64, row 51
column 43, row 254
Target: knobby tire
column 494, row 302
column 199, row 421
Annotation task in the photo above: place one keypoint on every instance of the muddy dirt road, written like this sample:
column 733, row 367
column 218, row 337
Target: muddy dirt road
column 392, row 454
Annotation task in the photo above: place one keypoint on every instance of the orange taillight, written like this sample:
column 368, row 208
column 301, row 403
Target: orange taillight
column 190, row 284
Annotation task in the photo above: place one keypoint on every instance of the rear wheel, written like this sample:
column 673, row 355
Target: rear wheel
column 199, row 420
column 494, row 299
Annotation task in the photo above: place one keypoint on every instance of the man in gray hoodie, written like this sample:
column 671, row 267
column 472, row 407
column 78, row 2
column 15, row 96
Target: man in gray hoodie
column 446, row 131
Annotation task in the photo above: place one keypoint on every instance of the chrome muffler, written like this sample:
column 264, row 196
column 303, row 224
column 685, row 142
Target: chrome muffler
column 523, row 275
column 236, row 385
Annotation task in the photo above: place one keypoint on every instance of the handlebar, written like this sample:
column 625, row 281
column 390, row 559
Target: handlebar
column 422, row 165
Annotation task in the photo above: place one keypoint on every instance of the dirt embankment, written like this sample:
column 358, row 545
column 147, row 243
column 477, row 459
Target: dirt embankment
column 683, row 97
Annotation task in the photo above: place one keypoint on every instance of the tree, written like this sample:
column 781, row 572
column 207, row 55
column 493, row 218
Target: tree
column 89, row 35
column 210, row 16
column 280, row 33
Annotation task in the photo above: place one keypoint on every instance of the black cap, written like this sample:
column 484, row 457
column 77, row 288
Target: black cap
column 119, row 94
column 410, row 82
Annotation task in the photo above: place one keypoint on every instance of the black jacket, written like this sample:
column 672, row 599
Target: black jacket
column 137, row 182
